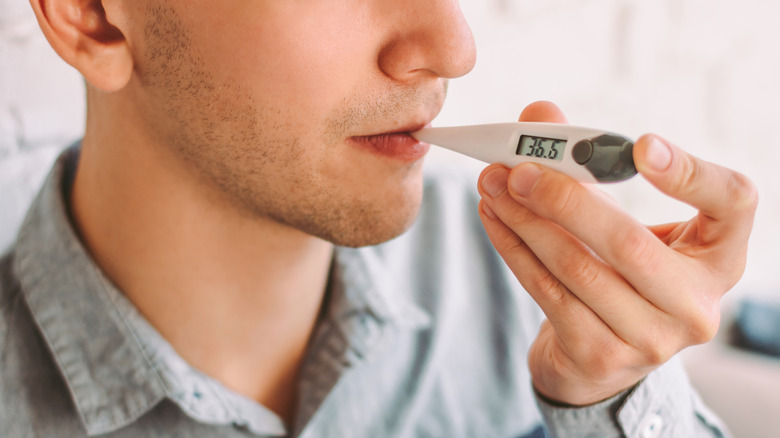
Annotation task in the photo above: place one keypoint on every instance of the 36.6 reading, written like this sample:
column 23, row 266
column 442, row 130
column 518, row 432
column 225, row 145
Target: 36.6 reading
column 541, row 147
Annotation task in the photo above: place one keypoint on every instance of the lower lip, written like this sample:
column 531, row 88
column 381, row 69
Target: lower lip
column 400, row 146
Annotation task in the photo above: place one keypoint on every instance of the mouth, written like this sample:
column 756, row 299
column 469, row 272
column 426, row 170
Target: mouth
column 398, row 144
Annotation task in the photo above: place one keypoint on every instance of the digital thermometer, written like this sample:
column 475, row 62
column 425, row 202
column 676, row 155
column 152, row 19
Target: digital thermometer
column 585, row 154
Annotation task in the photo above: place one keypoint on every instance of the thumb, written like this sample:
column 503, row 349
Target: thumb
column 716, row 191
column 543, row 111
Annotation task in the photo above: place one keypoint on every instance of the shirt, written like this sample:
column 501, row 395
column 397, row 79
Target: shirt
column 423, row 336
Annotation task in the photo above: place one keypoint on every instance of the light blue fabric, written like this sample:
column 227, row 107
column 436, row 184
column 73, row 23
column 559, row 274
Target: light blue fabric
column 423, row 336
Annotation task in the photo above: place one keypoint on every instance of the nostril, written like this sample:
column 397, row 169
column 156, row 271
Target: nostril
column 441, row 44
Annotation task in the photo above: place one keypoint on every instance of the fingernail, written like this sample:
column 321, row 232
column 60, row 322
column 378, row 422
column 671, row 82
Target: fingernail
column 658, row 155
column 495, row 182
column 524, row 178
column 488, row 211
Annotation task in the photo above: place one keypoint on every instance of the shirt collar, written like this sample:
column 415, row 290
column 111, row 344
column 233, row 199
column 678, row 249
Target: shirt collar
column 109, row 378
column 362, row 285
column 365, row 311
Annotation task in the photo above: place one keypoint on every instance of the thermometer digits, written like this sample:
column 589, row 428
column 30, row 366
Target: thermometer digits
column 585, row 154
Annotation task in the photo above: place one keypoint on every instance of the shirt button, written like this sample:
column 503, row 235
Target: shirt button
column 652, row 427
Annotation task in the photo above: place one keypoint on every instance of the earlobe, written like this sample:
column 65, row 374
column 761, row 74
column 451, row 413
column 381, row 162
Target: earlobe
column 83, row 34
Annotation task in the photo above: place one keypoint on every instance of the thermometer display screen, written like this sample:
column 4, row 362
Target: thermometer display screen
column 541, row 147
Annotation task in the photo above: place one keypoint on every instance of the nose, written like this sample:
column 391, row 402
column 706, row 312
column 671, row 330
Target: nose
column 429, row 37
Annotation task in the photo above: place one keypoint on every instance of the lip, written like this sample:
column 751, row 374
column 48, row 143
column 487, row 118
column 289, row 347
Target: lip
column 398, row 144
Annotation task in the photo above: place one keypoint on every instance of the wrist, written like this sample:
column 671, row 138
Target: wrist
column 573, row 402
column 574, row 391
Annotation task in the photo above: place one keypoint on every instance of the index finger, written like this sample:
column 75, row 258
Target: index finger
column 543, row 111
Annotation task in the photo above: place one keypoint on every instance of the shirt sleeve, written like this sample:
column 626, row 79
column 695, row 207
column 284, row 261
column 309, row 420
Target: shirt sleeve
column 664, row 404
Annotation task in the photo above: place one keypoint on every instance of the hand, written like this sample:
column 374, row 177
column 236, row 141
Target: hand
column 620, row 298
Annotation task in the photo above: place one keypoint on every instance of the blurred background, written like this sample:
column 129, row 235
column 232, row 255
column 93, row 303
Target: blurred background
column 702, row 73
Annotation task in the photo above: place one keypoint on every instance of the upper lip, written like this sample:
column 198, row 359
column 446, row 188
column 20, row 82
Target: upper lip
column 404, row 129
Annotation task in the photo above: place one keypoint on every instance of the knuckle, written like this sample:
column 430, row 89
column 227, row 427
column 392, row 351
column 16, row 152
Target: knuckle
column 551, row 287
column 602, row 364
column 742, row 192
column 690, row 174
column 604, row 360
column 521, row 218
column 703, row 325
column 727, row 270
column 509, row 244
column 654, row 357
column 655, row 345
column 703, row 333
column 656, row 351
column 565, row 199
column 698, row 320
column 636, row 248
column 581, row 272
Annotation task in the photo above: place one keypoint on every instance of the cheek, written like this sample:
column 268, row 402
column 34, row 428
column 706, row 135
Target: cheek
column 293, row 59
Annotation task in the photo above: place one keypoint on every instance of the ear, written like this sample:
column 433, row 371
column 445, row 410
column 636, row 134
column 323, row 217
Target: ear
column 82, row 33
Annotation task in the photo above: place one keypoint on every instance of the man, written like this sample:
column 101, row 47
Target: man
column 210, row 259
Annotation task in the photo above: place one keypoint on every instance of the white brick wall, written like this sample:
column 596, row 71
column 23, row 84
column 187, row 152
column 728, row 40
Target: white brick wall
column 700, row 72
column 703, row 73
column 41, row 110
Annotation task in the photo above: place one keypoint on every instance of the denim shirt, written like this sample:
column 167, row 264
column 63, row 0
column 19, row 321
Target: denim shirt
column 423, row 336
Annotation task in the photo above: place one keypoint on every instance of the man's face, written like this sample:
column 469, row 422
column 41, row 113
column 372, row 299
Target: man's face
column 281, row 105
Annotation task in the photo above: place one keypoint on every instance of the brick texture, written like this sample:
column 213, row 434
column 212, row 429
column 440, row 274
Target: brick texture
column 41, row 110
column 702, row 73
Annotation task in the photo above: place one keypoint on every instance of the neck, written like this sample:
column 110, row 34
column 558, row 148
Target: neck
column 237, row 296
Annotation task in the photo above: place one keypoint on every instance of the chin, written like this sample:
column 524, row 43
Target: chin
column 353, row 210
column 372, row 228
column 356, row 221
column 376, row 213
